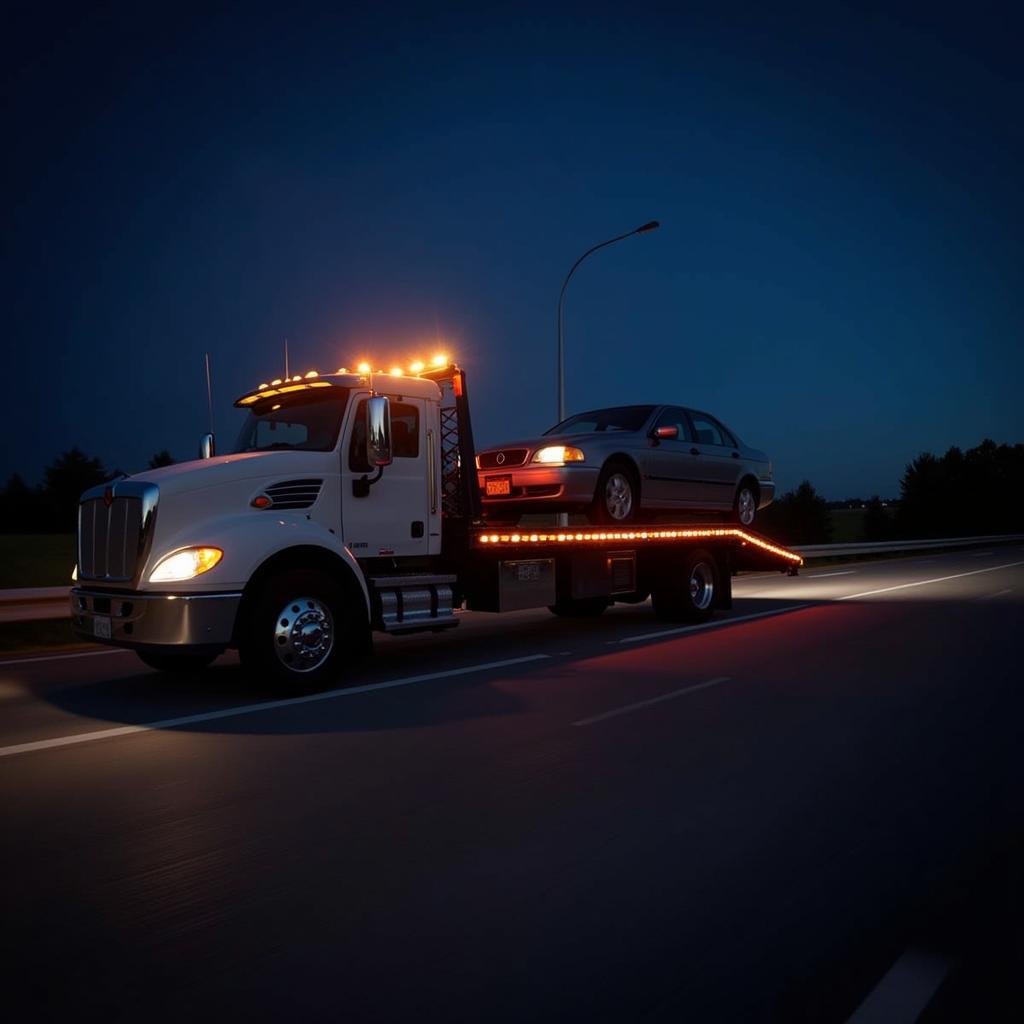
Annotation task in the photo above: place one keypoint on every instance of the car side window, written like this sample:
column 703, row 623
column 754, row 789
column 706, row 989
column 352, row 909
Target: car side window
column 405, row 435
column 707, row 431
column 672, row 417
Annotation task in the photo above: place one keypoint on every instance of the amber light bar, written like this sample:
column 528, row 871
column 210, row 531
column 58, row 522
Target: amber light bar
column 562, row 537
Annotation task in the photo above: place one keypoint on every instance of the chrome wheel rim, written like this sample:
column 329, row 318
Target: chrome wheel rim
column 747, row 506
column 702, row 586
column 618, row 496
column 304, row 634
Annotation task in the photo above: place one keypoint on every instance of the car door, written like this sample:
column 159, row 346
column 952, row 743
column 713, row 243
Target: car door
column 669, row 478
column 395, row 518
column 717, row 460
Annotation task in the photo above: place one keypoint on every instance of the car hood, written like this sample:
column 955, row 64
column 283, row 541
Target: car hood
column 579, row 440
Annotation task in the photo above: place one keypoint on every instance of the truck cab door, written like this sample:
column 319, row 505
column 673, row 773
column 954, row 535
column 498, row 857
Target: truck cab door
column 394, row 518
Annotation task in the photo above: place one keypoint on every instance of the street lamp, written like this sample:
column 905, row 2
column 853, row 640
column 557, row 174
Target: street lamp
column 649, row 226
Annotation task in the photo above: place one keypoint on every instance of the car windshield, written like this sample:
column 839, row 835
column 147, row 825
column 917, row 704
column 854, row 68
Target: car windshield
column 307, row 422
column 623, row 417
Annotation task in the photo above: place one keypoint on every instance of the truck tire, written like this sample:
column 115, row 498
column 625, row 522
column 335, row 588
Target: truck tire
column 179, row 664
column 580, row 608
column 744, row 506
column 688, row 596
column 300, row 632
column 617, row 495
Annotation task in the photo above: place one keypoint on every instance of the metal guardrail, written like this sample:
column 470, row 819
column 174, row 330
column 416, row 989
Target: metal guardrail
column 896, row 546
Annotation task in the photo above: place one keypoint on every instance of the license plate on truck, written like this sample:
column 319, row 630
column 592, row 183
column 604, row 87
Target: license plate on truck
column 101, row 627
column 498, row 487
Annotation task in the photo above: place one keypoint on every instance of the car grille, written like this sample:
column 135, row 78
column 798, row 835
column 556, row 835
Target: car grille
column 506, row 458
column 109, row 538
column 293, row 494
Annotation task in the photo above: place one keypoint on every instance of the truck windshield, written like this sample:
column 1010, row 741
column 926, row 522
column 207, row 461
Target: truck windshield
column 623, row 417
column 307, row 422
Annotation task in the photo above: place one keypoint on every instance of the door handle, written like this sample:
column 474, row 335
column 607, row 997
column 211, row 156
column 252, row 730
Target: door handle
column 695, row 451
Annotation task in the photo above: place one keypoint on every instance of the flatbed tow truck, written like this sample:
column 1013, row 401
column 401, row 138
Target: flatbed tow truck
column 352, row 505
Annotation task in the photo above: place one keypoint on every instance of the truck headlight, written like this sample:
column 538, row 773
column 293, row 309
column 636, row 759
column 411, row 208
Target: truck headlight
column 185, row 564
column 557, row 455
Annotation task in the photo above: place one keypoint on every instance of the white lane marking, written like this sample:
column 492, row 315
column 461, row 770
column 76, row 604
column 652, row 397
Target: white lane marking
column 998, row 593
column 822, row 575
column 923, row 583
column 715, row 624
column 905, row 991
column 61, row 657
column 249, row 709
column 627, row 708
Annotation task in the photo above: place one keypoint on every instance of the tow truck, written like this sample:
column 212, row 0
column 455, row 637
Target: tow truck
column 350, row 506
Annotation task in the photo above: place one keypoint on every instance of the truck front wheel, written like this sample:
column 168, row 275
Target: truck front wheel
column 298, row 631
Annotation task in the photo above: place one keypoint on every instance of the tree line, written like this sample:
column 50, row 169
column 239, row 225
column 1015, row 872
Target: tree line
column 961, row 493
column 52, row 506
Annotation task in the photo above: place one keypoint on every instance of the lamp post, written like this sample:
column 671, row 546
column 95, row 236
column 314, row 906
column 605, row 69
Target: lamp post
column 649, row 226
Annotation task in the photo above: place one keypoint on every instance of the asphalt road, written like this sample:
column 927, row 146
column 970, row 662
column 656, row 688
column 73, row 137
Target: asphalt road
column 530, row 818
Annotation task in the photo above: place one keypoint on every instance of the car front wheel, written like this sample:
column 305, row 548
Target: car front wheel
column 617, row 498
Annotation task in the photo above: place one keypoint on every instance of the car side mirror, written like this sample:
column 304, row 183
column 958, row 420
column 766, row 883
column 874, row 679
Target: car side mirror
column 666, row 433
column 378, row 431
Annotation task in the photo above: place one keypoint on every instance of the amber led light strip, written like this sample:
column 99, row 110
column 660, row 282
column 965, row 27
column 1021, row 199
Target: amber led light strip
column 635, row 535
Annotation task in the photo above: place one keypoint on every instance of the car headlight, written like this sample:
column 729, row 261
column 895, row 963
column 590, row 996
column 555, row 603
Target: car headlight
column 185, row 564
column 557, row 455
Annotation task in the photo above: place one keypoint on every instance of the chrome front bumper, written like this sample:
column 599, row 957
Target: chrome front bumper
column 198, row 621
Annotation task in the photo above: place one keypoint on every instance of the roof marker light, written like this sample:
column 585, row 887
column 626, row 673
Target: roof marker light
column 312, row 373
column 363, row 367
column 274, row 383
column 395, row 371
column 416, row 367
column 261, row 387
column 439, row 360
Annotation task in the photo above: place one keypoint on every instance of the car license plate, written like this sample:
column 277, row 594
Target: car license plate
column 101, row 627
column 498, row 486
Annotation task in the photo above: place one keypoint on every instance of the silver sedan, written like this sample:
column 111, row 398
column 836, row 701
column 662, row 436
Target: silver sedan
column 619, row 464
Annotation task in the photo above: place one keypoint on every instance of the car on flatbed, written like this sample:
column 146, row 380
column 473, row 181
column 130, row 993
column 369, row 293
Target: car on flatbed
column 621, row 464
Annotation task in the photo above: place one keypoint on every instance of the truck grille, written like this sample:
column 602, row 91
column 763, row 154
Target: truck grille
column 506, row 458
column 113, row 529
column 292, row 494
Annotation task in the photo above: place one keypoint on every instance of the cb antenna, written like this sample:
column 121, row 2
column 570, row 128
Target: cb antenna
column 285, row 358
column 209, row 391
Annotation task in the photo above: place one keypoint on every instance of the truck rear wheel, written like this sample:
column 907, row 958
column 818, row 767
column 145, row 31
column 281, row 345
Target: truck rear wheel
column 299, row 632
column 688, row 596
column 180, row 664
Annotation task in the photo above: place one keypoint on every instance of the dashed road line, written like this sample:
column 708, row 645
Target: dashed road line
column 907, row 988
column 923, row 583
column 714, row 624
column 629, row 708
column 249, row 709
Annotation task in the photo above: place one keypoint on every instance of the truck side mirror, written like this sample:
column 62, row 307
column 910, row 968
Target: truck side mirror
column 378, row 431
column 206, row 446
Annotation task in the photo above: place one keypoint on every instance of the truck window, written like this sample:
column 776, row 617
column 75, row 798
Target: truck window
column 306, row 422
column 405, row 435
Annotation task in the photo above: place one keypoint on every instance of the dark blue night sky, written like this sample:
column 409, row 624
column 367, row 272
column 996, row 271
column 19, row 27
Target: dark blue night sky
column 839, row 273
